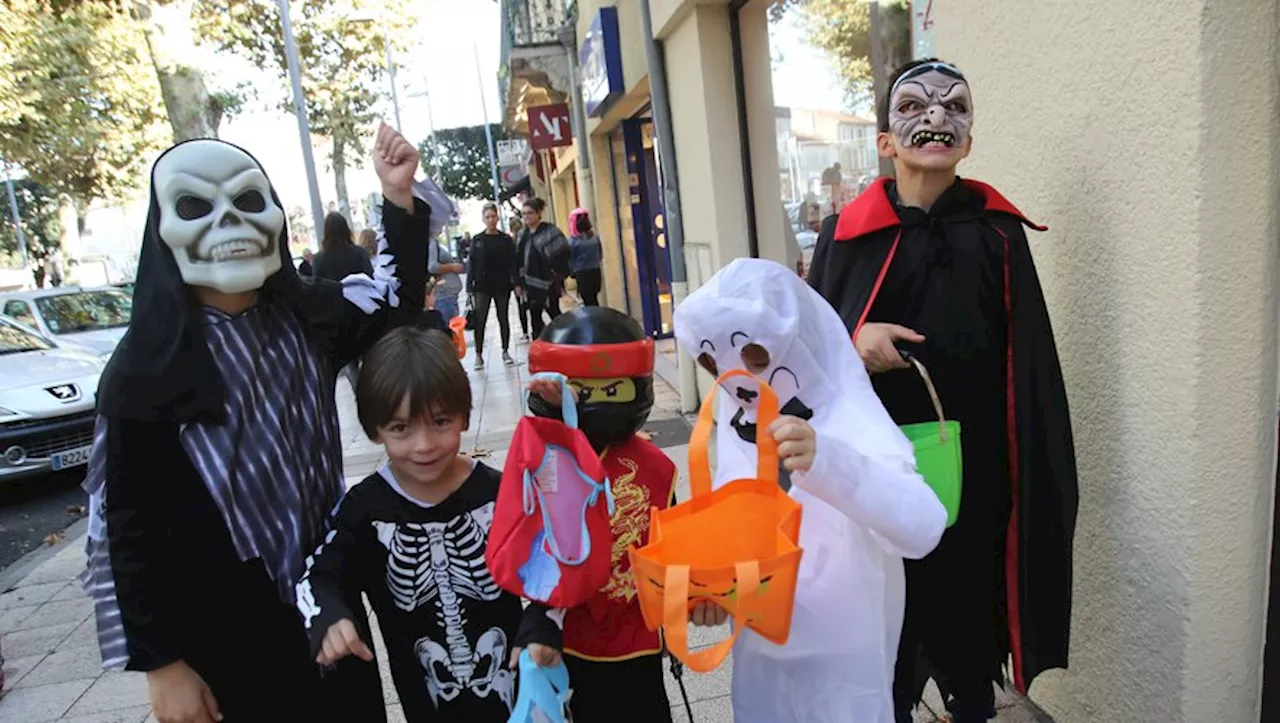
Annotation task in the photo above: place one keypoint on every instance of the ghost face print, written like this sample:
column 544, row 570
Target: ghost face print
column 754, row 356
column 218, row 216
column 930, row 118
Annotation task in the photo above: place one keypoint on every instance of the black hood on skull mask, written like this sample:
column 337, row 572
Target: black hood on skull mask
column 162, row 369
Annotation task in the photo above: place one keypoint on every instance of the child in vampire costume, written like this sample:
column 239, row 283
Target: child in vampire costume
column 939, row 267
column 217, row 453
column 614, row 661
column 865, row 507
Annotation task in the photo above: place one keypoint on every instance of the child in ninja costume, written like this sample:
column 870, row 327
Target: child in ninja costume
column 614, row 661
column 217, row 454
column 865, row 507
column 940, row 267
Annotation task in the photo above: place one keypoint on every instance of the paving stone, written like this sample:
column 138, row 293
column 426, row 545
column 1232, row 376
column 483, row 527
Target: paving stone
column 113, row 691
column 12, row 618
column 395, row 714
column 41, row 703
column 73, row 591
column 30, row 595
column 55, row 570
column 85, row 635
column 56, row 613
column 715, row 710
column 136, row 714
column 699, row 686
column 15, row 669
column 35, row 641
column 64, row 665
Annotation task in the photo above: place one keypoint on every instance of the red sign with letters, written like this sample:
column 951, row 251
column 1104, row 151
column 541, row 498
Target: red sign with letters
column 549, row 126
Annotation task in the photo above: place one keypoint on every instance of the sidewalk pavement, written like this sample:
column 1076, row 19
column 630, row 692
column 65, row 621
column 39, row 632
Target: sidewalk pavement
column 53, row 668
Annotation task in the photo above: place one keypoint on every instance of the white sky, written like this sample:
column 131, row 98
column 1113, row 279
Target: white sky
column 804, row 78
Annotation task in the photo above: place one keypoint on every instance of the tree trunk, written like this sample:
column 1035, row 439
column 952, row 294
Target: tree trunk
column 70, row 220
column 339, row 160
column 193, row 113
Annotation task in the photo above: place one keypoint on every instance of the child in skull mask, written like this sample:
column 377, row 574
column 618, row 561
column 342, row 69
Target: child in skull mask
column 939, row 266
column 608, row 359
column 217, row 454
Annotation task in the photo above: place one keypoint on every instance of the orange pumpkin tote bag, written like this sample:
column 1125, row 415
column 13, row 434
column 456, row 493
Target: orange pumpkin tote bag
column 737, row 546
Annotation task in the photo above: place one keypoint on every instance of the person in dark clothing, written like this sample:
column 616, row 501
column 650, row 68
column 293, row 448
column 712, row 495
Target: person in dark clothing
column 522, row 302
column 585, row 256
column 939, row 267
column 491, row 275
column 305, row 268
column 339, row 258
column 431, row 318
column 412, row 537
column 217, row 455
column 543, row 255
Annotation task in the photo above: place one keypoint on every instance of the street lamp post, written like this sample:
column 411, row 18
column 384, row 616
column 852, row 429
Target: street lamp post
column 488, row 133
column 300, row 108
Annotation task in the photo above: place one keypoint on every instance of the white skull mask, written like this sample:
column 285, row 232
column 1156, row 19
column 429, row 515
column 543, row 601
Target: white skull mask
column 218, row 216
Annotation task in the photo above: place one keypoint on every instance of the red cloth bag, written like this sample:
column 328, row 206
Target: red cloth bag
column 550, row 539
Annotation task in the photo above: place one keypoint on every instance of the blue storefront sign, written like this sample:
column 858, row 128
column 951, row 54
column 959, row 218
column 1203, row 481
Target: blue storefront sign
column 600, row 60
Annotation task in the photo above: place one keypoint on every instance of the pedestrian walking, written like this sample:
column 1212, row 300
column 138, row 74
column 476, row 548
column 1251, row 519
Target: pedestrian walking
column 585, row 256
column 491, row 276
column 544, row 263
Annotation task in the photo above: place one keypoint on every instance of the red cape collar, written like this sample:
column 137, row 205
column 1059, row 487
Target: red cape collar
column 873, row 211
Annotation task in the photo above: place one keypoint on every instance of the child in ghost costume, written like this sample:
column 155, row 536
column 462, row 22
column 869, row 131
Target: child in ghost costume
column 865, row 507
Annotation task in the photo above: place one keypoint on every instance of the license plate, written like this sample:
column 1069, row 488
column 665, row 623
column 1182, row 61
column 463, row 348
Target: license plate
column 70, row 458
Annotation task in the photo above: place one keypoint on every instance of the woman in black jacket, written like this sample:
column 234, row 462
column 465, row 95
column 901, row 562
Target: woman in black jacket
column 544, row 263
column 491, row 274
column 338, row 259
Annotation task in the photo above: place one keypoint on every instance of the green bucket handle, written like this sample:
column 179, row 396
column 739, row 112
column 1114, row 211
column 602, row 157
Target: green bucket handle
column 933, row 393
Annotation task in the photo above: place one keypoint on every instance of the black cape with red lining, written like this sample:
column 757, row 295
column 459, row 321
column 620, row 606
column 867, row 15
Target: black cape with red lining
column 962, row 275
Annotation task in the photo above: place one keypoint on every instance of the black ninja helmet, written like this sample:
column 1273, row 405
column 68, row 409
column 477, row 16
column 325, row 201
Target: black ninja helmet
column 609, row 361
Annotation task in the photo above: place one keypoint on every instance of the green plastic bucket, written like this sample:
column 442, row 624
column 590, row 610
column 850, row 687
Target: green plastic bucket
column 937, row 446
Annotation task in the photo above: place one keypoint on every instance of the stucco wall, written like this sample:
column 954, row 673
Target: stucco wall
column 1144, row 135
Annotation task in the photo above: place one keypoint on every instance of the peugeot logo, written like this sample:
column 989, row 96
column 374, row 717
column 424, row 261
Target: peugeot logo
column 64, row 392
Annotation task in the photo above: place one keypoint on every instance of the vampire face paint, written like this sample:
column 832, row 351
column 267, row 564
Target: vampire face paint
column 930, row 110
column 217, row 216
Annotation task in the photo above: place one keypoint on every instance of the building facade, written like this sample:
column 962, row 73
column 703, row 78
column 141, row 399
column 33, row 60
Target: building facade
column 1144, row 136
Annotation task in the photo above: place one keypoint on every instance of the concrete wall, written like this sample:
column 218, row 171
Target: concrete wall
column 1145, row 136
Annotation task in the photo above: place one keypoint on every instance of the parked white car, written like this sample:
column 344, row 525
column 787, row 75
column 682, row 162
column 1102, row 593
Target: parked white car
column 94, row 318
column 47, row 398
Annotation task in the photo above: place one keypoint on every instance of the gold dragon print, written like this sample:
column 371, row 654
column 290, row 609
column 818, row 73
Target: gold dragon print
column 630, row 520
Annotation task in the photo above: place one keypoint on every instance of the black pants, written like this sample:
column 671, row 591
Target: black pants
column 589, row 282
column 537, row 306
column 522, row 311
column 252, row 651
column 502, row 302
column 600, row 689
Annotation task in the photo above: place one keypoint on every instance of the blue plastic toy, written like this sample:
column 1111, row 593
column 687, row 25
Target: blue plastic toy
column 544, row 693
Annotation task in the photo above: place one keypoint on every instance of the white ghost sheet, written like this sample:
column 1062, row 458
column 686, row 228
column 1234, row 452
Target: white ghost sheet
column 865, row 507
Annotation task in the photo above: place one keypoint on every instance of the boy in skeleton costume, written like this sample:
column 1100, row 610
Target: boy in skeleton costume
column 217, row 451
column 865, row 508
column 940, row 267
column 412, row 537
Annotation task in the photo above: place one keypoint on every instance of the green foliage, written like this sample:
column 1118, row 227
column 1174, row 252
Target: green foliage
column 38, row 212
column 79, row 104
column 342, row 49
column 842, row 29
column 462, row 155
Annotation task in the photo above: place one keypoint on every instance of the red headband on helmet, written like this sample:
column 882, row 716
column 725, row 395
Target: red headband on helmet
column 593, row 361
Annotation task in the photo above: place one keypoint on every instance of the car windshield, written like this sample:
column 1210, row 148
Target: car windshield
column 14, row 339
column 85, row 310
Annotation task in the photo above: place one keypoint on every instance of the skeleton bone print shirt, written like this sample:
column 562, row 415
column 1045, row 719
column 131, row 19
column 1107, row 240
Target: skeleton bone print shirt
column 448, row 628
